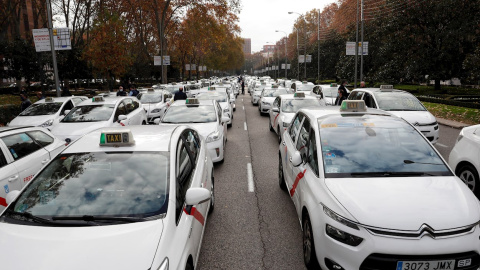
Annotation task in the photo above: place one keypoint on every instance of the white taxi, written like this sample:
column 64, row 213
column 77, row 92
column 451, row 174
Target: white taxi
column 155, row 103
column 207, row 117
column 222, row 98
column 284, row 108
column 99, row 112
column 401, row 104
column 46, row 112
column 328, row 92
column 304, row 86
column 118, row 198
column 257, row 92
column 268, row 96
column 464, row 158
column 23, row 152
column 372, row 193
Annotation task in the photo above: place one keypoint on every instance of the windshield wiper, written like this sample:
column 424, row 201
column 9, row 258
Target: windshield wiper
column 98, row 218
column 389, row 174
column 413, row 162
column 29, row 216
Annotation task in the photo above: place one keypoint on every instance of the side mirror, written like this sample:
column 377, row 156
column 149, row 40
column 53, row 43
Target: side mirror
column 225, row 119
column 196, row 196
column 296, row 159
column 66, row 112
column 275, row 109
column 11, row 196
column 122, row 117
column 156, row 121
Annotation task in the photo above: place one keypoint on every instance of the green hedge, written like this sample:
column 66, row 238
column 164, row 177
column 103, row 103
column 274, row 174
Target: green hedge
column 7, row 113
column 450, row 102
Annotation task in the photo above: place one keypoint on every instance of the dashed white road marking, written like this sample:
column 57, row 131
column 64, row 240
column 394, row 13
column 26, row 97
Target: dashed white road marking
column 441, row 145
column 250, row 177
column 245, row 125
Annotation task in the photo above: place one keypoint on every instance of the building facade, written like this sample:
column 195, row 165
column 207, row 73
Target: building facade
column 247, row 46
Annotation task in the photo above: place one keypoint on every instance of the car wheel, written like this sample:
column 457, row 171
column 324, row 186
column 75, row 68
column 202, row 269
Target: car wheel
column 270, row 124
column 469, row 176
column 279, row 135
column 281, row 179
column 144, row 123
column 309, row 255
column 212, row 197
column 188, row 266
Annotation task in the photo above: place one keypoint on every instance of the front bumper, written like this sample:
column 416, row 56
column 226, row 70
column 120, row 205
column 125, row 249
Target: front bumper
column 215, row 149
column 255, row 100
column 431, row 132
column 265, row 108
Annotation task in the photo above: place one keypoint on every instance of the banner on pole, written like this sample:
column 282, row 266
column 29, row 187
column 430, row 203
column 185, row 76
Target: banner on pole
column 187, row 66
column 61, row 39
column 350, row 48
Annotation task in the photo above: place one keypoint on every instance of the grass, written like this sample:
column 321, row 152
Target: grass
column 454, row 113
column 14, row 100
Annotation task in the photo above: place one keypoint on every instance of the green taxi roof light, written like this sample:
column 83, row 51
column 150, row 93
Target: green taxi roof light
column 386, row 87
column 116, row 137
column 191, row 101
column 102, row 138
column 333, row 85
column 299, row 95
column 48, row 99
column 353, row 106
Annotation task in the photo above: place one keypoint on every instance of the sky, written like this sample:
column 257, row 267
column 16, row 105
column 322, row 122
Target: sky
column 260, row 18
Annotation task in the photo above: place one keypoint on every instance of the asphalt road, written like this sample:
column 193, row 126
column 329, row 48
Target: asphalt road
column 254, row 224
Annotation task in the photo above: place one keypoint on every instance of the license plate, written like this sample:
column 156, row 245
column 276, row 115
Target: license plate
column 426, row 265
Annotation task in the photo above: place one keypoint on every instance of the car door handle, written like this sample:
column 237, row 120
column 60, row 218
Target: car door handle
column 283, row 143
column 13, row 178
column 45, row 161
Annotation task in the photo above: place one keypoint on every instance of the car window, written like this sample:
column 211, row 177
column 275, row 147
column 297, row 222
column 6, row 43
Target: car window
column 356, row 95
column 219, row 113
column 41, row 137
column 121, row 110
column 184, row 168
column 276, row 103
column 312, row 156
column 303, row 138
column 20, row 145
column 48, row 108
column 293, row 105
column 3, row 159
column 369, row 102
column 294, row 126
column 192, row 143
column 150, row 98
column 68, row 106
column 129, row 106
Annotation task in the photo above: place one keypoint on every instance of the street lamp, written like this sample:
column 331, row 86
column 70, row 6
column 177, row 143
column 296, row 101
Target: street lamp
column 304, row 40
column 298, row 54
column 286, row 38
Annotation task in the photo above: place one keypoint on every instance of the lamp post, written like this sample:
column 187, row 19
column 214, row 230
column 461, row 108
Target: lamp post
column 304, row 41
column 286, row 38
column 298, row 54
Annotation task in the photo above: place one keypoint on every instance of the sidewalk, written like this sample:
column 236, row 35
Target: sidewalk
column 450, row 123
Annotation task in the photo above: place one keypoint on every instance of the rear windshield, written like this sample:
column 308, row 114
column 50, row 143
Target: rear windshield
column 218, row 96
column 42, row 109
column 293, row 105
column 274, row 93
column 305, row 87
column 150, row 98
column 190, row 114
column 89, row 113
column 101, row 184
column 376, row 146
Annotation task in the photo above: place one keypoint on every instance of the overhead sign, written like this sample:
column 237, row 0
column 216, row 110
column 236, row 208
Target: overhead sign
column 309, row 58
column 193, row 66
column 301, row 58
column 350, row 48
column 166, row 60
column 61, row 39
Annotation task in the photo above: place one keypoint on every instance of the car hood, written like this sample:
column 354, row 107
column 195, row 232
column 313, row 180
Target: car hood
column 407, row 203
column 151, row 106
column 64, row 130
column 126, row 246
column 268, row 99
column 31, row 120
column 422, row 117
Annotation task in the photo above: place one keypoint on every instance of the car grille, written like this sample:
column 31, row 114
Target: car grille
column 425, row 230
column 378, row 261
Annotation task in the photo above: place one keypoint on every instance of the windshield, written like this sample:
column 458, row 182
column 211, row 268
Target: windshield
column 274, row 93
column 293, row 105
column 190, row 114
column 397, row 101
column 330, row 92
column 103, row 184
column 368, row 146
column 150, row 98
column 89, row 113
column 219, row 97
column 172, row 88
column 42, row 109
column 305, row 87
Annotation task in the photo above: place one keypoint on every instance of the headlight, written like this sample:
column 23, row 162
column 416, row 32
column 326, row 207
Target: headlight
column 164, row 265
column 286, row 124
column 339, row 218
column 214, row 136
column 156, row 110
column 47, row 123
column 342, row 236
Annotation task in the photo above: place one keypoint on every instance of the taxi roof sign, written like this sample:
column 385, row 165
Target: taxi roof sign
column 48, row 99
column 299, row 95
column 353, row 106
column 98, row 99
column 333, row 85
column 275, row 86
column 211, row 88
column 192, row 101
column 386, row 87
column 116, row 138
column 304, row 82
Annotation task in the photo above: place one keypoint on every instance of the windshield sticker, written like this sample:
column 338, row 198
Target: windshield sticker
column 329, row 155
column 24, row 137
column 13, row 153
column 328, row 126
column 368, row 124
column 6, row 189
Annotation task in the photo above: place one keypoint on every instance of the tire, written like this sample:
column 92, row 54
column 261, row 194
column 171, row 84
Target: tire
column 469, row 176
column 188, row 266
column 309, row 254
column 270, row 124
column 212, row 197
column 281, row 178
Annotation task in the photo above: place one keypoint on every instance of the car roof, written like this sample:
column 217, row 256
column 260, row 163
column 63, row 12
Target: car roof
column 291, row 96
column 148, row 138
column 59, row 99
column 378, row 90
column 317, row 112
column 201, row 102
column 107, row 100
column 6, row 129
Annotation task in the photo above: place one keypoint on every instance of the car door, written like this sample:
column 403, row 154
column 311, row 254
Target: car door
column 9, row 179
column 52, row 145
column 274, row 115
column 298, row 172
column 289, row 142
column 28, row 155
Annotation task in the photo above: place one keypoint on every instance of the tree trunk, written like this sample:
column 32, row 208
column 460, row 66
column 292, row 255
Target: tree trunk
column 437, row 84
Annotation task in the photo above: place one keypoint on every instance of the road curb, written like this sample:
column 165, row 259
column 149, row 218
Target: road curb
column 450, row 123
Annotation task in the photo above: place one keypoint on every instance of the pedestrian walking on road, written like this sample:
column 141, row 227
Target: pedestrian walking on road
column 180, row 95
column 243, row 87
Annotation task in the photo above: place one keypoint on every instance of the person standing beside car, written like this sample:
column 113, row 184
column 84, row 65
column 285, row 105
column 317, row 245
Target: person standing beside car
column 341, row 97
column 120, row 92
column 180, row 95
column 25, row 102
